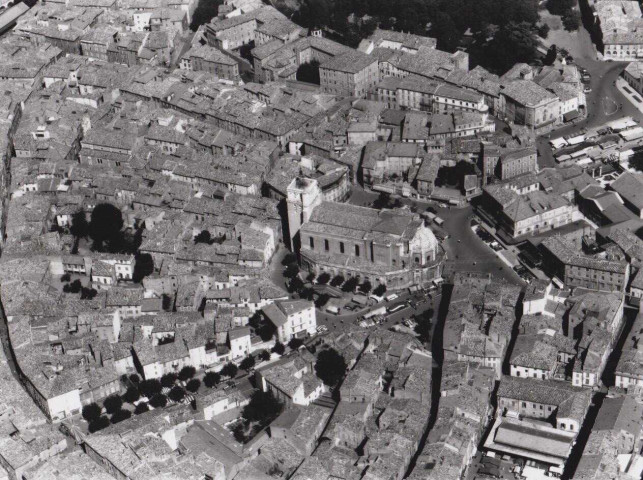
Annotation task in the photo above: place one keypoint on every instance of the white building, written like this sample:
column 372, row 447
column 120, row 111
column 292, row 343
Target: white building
column 292, row 319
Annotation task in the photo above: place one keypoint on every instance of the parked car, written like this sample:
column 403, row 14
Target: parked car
column 391, row 297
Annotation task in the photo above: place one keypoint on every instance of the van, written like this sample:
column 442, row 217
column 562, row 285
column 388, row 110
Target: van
column 391, row 297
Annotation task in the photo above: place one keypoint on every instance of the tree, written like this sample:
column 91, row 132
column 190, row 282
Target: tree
column 131, row 395
column 73, row 287
column 330, row 367
column 105, row 225
column 113, row 403
column 167, row 302
column 279, row 348
column 543, row 30
column 186, row 373
column 229, row 370
column 350, row 284
column 134, row 378
column 88, row 293
column 247, row 363
column 158, row 401
column 204, row 12
column 193, row 385
column 295, row 343
column 560, row 7
column 204, row 237
column 92, row 411
column 211, row 379
column 291, row 271
column 143, row 267
column 309, row 72
column 150, row 387
column 289, row 258
column 98, row 424
column 322, row 300
column 365, row 287
column 307, row 293
column 571, row 20
column 323, row 278
column 141, row 407
column 295, row 285
column 263, row 408
column 550, row 58
column 380, row 290
column 65, row 277
column 176, row 394
column 264, row 355
column 337, row 281
column 513, row 43
column 79, row 226
column 120, row 415
column 168, row 380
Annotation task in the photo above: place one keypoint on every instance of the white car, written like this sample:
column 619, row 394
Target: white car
column 391, row 297
column 322, row 329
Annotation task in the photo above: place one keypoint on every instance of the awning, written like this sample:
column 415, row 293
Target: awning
column 569, row 116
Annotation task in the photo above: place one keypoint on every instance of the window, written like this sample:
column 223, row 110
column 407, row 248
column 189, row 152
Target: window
column 326, row 245
column 312, row 242
column 341, row 247
column 357, row 250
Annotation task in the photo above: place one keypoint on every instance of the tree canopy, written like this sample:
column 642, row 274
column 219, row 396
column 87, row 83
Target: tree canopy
column 211, row 379
column 263, row 408
column 105, row 224
column 330, row 366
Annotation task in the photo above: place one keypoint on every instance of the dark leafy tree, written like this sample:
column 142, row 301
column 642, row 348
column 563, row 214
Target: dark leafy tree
column 513, row 43
column 204, row 12
column 550, row 58
column 322, row 300
column 176, row 394
column 337, row 281
column 291, row 270
column 79, row 226
column 307, row 293
column 263, row 408
column 91, row 412
column 229, row 370
column 98, row 424
column 134, row 378
column 105, row 225
column 264, row 355
column 167, row 302
column 279, row 348
column 365, row 287
column 247, row 363
column 143, row 267
column 295, row 343
column 211, row 379
column 73, row 287
column 131, row 395
column 350, row 284
column 288, row 259
column 543, row 30
column 120, row 415
column 560, row 7
column 204, row 237
column 295, row 285
column 168, row 380
column 330, row 367
column 88, row 293
column 141, row 407
column 65, row 277
column 571, row 20
column 158, row 401
column 323, row 278
column 113, row 403
column 380, row 290
column 193, row 385
column 150, row 387
column 186, row 373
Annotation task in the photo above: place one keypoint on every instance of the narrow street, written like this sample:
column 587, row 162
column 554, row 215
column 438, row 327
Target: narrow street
column 597, row 400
